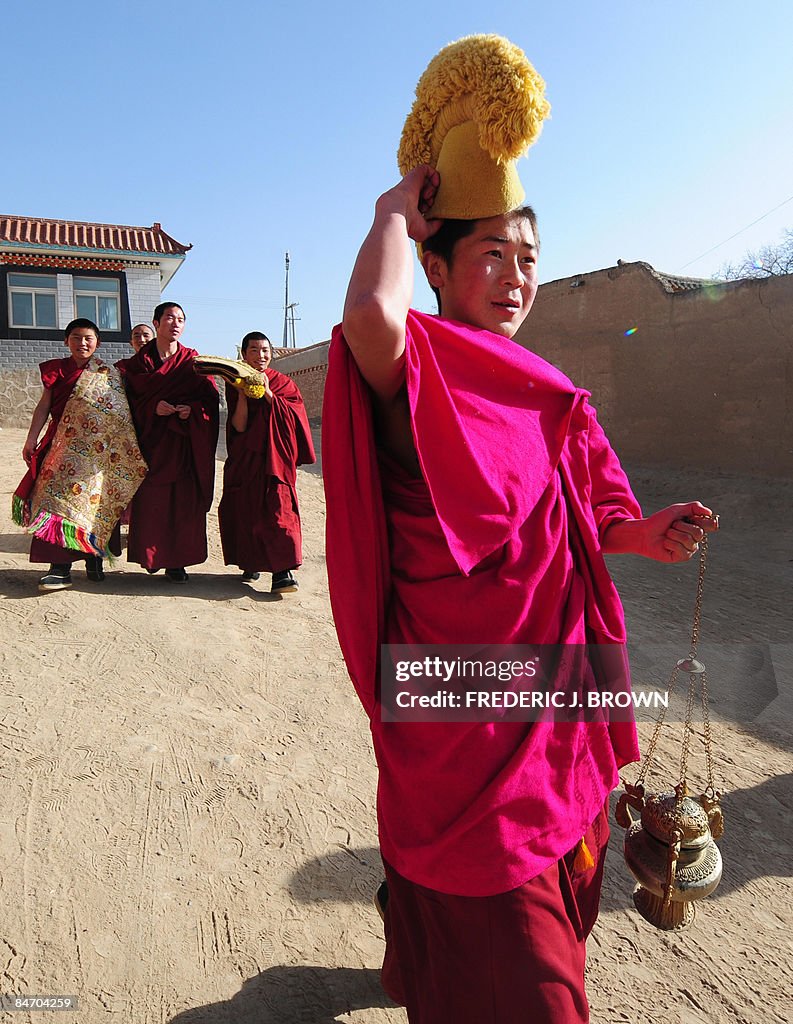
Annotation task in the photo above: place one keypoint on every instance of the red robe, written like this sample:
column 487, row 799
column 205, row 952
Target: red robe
column 258, row 514
column 58, row 376
column 168, row 513
column 497, row 543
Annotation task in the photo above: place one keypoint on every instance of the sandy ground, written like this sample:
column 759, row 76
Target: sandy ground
column 187, row 829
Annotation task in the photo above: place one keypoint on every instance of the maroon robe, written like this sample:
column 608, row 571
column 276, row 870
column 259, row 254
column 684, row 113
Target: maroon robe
column 497, row 543
column 258, row 514
column 59, row 377
column 168, row 513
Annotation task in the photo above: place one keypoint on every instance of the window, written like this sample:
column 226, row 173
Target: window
column 31, row 300
column 97, row 299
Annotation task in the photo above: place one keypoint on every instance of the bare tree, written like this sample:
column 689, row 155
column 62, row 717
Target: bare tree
column 769, row 261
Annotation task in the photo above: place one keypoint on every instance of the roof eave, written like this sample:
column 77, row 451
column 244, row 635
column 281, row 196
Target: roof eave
column 87, row 251
column 168, row 268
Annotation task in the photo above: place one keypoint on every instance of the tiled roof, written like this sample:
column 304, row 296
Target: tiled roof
column 673, row 283
column 39, row 231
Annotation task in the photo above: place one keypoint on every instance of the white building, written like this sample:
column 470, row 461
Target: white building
column 52, row 271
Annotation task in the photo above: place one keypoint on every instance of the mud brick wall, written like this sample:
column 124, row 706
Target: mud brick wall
column 704, row 381
column 308, row 368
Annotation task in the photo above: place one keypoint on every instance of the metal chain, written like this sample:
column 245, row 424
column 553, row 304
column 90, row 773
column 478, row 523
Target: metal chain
column 711, row 788
column 703, row 555
column 692, row 689
column 648, row 757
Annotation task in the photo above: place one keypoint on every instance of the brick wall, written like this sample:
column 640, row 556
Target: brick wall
column 311, row 382
column 19, row 355
column 143, row 288
column 20, row 383
column 65, row 299
column 703, row 382
column 308, row 368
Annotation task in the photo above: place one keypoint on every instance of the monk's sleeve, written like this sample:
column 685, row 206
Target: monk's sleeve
column 50, row 373
column 611, row 498
column 290, row 439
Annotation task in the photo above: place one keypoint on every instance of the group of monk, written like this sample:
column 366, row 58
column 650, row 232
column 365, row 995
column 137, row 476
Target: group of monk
column 175, row 411
column 471, row 497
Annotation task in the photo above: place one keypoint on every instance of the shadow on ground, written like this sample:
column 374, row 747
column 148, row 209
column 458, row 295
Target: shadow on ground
column 758, row 836
column 202, row 586
column 15, row 543
column 757, row 840
column 343, row 875
column 295, row 995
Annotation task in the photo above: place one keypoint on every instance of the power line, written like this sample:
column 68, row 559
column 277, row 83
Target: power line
column 720, row 244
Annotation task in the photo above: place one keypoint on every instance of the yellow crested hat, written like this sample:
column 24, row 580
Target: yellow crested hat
column 479, row 106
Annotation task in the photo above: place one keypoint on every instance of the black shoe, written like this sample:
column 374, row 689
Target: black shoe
column 58, row 578
column 93, row 569
column 380, row 899
column 250, row 577
column 284, row 582
column 177, row 575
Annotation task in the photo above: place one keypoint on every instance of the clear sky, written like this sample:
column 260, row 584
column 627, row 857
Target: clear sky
column 253, row 128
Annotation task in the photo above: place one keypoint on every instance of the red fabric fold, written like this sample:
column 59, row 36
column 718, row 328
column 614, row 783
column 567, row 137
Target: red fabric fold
column 489, row 436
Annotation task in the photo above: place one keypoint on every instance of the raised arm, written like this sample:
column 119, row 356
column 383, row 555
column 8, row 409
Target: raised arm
column 381, row 286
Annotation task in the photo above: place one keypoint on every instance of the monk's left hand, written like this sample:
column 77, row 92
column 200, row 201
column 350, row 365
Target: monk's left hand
column 182, row 411
column 673, row 534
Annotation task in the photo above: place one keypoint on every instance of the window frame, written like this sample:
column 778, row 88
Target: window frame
column 98, row 294
column 56, row 334
column 34, row 290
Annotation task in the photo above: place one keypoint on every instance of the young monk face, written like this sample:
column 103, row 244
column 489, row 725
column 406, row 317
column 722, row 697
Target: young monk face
column 140, row 336
column 492, row 279
column 258, row 354
column 82, row 342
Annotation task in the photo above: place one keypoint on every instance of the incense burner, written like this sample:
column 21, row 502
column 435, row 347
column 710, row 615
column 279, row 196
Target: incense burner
column 671, row 851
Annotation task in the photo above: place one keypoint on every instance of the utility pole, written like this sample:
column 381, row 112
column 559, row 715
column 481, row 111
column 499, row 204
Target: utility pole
column 286, row 300
column 292, row 318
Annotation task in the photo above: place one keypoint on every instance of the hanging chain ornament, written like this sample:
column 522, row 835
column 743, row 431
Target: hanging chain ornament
column 671, row 849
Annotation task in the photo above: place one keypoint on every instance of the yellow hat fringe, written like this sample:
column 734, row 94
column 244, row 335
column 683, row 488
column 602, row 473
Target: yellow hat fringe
column 481, row 78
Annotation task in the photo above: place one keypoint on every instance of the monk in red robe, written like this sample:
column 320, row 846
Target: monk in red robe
column 471, row 496
column 176, row 416
column 267, row 438
column 59, row 377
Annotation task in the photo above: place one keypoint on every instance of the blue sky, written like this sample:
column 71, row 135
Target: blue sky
column 250, row 129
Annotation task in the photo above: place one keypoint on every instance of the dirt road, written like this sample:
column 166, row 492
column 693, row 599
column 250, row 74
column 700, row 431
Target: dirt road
column 187, row 830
